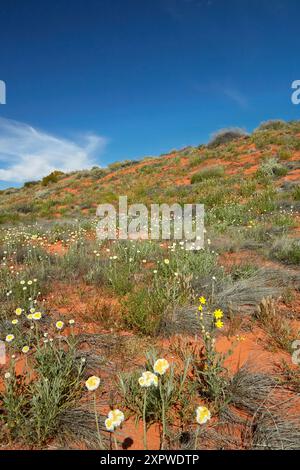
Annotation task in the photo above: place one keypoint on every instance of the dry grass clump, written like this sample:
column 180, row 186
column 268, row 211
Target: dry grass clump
column 273, row 431
column 77, row 426
column 276, row 326
column 249, row 390
column 247, row 293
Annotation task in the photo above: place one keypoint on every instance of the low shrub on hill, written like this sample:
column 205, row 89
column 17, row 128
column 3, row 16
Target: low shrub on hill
column 271, row 168
column 287, row 251
column 224, row 136
column 208, row 173
column 296, row 193
column 272, row 124
column 52, row 177
column 29, row 184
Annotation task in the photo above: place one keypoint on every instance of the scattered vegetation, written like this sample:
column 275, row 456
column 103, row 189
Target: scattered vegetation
column 101, row 335
column 208, row 173
column 52, row 177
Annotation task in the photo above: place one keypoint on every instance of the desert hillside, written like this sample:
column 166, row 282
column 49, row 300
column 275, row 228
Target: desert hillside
column 253, row 174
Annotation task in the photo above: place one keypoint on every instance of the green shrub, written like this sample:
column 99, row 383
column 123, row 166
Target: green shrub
column 272, row 124
column 284, row 154
column 118, row 165
column 9, row 218
column 271, row 168
column 296, row 193
column 29, row 184
column 262, row 202
column 32, row 409
column 52, row 178
column 287, row 251
column 143, row 310
column 24, row 208
column 97, row 173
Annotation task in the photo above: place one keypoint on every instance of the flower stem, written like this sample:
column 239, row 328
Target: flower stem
column 144, row 420
column 163, row 415
column 97, row 423
column 196, row 438
column 115, row 441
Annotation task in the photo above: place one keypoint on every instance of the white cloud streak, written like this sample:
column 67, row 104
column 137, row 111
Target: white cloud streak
column 238, row 97
column 29, row 154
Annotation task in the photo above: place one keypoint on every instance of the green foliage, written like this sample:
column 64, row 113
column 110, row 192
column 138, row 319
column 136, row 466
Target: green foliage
column 32, row 410
column 262, row 202
column 272, row 124
column 52, row 177
column 271, row 168
column 296, row 193
column 118, row 165
column 9, row 218
column 208, row 173
column 286, row 250
column 176, row 386
column 30, row 184
column 143, row 309
column 284, row 154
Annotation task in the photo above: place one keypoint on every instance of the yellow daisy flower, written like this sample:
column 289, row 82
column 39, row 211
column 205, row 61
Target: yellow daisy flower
column 9, row 338
column 202, row 300
column 18, row 311
column 202, row 415
column 109, row 424
column 219, row 324
column 117, row 417
column 92, row 383
column 36, row 316
column 218, row 314
column 59, row 325
column 25, row 349
column 147, row 379
column 161, row 366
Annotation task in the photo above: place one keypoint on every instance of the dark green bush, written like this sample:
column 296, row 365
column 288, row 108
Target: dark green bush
column 52, row 178
column 29, row 184
column 296, row 193
column 224, row 136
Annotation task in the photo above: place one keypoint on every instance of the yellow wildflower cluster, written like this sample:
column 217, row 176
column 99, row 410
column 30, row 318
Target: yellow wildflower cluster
column 217, row 314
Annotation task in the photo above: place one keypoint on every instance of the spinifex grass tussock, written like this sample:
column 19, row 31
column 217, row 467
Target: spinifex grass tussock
column 277, row 327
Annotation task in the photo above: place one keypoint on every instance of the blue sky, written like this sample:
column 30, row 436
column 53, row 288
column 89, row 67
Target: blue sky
column 95, row 81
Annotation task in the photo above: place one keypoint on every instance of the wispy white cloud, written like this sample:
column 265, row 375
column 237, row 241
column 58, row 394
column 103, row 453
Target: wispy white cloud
column 237, row 96
column 27, row 153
